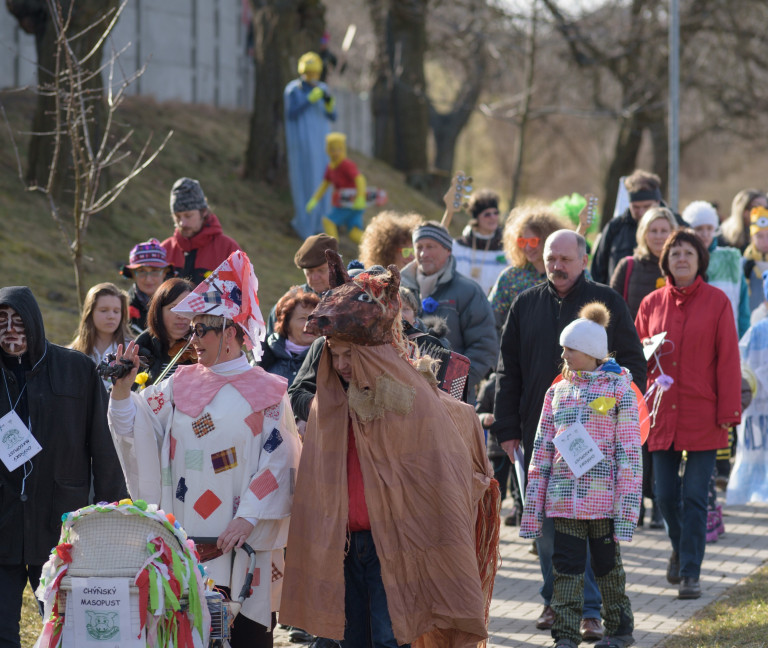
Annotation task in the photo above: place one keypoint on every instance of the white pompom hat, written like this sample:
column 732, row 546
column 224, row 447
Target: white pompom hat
column 586, row 336
column 700, row 212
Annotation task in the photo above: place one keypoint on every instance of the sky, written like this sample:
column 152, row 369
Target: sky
column 570, row 6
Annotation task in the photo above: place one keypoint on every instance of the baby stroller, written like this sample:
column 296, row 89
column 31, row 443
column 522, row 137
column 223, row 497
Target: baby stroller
column 136, row 549
column 221, row 607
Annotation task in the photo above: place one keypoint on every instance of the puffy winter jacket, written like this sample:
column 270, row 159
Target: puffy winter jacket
column 701, row 356
column 529, row 359
column 468, row 314
column 610, row 489
column 195, row 257
column 277, row 360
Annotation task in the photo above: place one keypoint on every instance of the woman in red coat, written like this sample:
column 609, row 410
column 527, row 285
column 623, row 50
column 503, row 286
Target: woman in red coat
column 695, row 378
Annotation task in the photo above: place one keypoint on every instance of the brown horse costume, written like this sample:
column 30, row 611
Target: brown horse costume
column 432, row 502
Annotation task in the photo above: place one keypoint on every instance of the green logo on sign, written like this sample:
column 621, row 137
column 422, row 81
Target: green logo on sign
column 11, row 438
column 102, row 626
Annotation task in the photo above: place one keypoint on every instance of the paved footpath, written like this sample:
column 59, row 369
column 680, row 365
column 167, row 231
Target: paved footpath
column 516, row 601
column 658, row 612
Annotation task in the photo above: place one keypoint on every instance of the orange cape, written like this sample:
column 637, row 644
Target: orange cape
column 426, row 477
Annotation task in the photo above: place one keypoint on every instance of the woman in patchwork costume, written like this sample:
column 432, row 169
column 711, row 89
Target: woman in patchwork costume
column 216, row 445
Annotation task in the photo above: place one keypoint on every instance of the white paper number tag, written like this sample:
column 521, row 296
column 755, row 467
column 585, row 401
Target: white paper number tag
column 17, row 444
column 578, row 449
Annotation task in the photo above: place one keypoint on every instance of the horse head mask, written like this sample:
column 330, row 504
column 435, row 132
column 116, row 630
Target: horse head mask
column 360, row 310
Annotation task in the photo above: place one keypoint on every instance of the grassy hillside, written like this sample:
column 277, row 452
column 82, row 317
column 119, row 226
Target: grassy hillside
column 207, row 144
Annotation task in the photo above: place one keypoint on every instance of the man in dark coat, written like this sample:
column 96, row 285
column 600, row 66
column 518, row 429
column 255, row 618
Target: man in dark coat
column 529, row 360
column 619, row 237
column 61, row 400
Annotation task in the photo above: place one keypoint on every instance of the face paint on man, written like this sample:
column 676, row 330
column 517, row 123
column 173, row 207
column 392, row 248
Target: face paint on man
column 13, row 338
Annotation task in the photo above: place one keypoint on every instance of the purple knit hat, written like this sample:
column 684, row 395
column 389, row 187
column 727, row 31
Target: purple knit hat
column 149, row 253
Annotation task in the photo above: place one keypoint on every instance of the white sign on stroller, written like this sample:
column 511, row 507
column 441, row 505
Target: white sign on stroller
column 99, row 614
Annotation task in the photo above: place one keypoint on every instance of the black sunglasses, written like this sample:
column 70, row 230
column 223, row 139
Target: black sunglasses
column 201, row 329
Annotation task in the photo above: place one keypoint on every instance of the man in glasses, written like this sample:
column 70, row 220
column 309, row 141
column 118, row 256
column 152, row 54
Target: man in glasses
column 55, row 440
column 198, row 244
column 529, row 361
column 444, row 292
column 148, row 267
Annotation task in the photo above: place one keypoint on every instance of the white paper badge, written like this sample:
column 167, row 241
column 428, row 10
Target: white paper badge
column 578, row 449
column 101, row 613
column 17, row 444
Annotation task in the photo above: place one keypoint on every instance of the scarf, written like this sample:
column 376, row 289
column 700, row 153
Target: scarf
column 428, row 283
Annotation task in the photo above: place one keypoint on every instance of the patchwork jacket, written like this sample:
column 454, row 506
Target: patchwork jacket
column 605, row 404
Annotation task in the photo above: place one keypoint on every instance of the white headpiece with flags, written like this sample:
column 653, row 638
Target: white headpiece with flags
column 230, row 291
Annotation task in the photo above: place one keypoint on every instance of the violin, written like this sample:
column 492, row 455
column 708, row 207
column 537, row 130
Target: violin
column 188, row 357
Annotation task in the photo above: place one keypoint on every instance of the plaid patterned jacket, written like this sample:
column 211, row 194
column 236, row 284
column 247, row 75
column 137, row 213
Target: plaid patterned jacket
column 610, row 489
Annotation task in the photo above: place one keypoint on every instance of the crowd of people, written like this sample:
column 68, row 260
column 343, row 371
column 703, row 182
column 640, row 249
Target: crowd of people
column 326, row 434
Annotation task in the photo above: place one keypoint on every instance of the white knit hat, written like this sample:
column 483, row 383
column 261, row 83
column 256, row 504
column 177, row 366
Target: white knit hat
column 586, row 336
column 700, row 212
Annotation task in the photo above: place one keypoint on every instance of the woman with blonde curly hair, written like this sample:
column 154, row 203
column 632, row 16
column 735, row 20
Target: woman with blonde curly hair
column 387, row 239
column 735, row 228
column 527, row 227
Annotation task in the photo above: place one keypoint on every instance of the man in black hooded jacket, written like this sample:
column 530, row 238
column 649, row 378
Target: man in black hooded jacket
column 61, row 400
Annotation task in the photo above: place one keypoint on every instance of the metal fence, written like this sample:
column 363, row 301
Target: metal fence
column 195, row 52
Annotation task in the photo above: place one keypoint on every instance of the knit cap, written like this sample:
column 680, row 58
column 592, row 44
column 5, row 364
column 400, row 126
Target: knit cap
column 149, row 253
column 187, row 195
column 436, row 232
column 587, row 334
column 700, row 212
column 758, row 219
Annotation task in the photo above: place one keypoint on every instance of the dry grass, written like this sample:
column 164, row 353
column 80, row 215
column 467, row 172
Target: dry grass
column 208, row 145
column 739, row 618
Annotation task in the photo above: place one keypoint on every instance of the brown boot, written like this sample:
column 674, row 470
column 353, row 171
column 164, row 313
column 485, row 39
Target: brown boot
column 591, row 630
column 547, row 618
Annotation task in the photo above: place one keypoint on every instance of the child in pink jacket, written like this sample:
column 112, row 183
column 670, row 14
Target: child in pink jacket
column 586, row 474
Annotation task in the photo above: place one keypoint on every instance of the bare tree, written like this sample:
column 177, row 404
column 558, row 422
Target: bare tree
column 525, row 113
column 37, row 17
column 398, row 97
column 460, row 46
column 621, row 50
column 75, row 101
column 283, row 30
